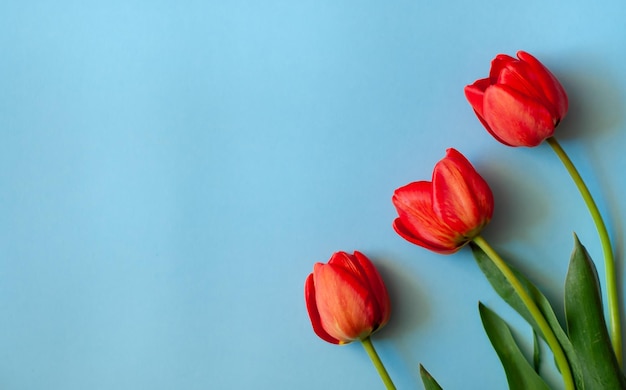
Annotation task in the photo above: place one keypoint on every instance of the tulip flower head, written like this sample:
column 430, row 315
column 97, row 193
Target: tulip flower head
column 446, row 213
column 521, row 102
column 346, row 298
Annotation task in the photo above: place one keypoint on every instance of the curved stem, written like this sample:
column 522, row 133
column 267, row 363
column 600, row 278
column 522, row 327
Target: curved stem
column 380, row 367
column 609, row 262
column 548, row 334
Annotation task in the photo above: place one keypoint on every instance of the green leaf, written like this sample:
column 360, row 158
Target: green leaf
column 519, row 373
column 586, row 325
column 502, row 286
column 429, row 382
column 536, row 352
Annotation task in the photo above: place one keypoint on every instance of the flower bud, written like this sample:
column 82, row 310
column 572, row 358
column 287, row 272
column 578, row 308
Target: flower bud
column 446, row 213
column 346, row 298
column 521, row 102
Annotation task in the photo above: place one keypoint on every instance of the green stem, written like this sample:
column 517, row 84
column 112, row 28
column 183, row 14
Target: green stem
column 380, row 367
column 544, row 327
column 609, row 262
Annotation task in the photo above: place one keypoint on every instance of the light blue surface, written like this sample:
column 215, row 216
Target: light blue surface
column 171, row 171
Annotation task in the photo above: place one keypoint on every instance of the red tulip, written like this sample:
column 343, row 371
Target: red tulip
column 445, row 214
column 346, row 298
column 521, row 102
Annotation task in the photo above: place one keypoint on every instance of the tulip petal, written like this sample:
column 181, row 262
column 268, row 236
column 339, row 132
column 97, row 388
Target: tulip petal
column 519, row 77
column 311, row 306
column 475, row 94
column 354, row 267
column 357, row 266
column 348, row 263
column 377, row 287
column 517, row 119
column 418, row 223
column 461, row 197
column 550, row 85
column 362, row 268
column 405, row 232
column 529, row 77
column 345, row 306
column 497, row 64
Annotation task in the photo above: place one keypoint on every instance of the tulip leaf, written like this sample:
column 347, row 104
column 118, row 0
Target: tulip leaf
column 429, row 382
column 586, row 325
column 536, row 352
column 502, row 286
column 519, row 373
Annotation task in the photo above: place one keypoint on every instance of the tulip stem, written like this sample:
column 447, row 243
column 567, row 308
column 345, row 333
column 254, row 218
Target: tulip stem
column 380, row 367
column 609, row 262
column 535, row 312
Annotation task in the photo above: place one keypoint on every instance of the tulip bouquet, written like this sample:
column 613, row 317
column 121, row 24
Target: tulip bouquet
column 520, row 104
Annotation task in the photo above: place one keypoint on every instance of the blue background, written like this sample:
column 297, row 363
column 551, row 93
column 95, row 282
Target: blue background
column 171, row 171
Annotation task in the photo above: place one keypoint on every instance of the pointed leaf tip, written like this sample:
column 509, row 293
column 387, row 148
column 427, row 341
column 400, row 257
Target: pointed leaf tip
column 519, row 373
column 429, row 382
column 586, row 324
